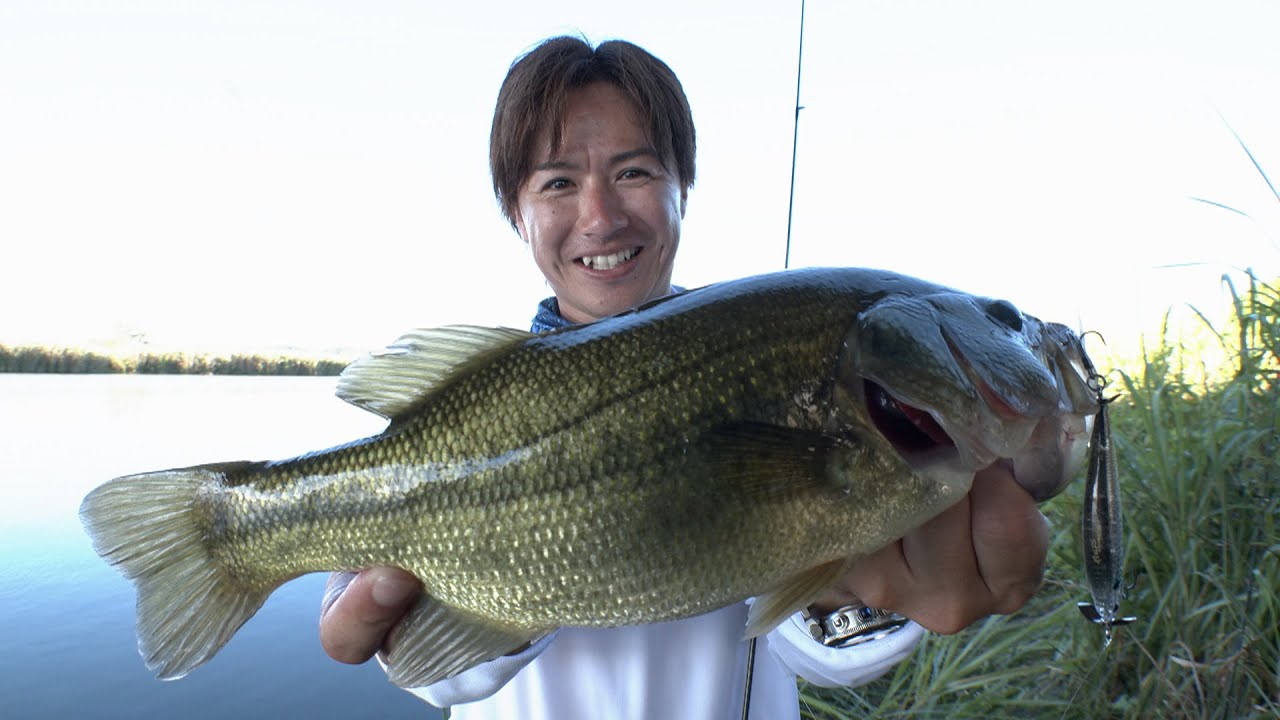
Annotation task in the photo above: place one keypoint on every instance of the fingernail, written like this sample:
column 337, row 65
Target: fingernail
column 392, row 591
column 333, row 589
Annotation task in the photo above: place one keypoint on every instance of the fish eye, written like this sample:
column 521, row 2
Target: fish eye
column 1006, row 314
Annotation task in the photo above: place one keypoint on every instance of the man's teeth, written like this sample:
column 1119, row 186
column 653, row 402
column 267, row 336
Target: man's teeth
column 609, row 262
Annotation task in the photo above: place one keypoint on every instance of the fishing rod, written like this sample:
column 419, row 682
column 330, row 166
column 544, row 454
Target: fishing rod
column 795, row 139
column 786, row 263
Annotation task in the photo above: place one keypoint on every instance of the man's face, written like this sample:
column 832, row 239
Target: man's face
column 602, row 216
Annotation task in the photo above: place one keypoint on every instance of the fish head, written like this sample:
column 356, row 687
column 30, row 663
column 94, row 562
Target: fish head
column 964, row 381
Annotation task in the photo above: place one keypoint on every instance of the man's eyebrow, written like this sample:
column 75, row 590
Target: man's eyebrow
column 556, row 164
column 553, row 165
column 631, row 154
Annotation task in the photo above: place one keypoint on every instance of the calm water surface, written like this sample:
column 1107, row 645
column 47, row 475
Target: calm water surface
column 67, row 643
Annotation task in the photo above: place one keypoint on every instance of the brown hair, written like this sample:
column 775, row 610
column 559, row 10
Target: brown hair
column 535, row 92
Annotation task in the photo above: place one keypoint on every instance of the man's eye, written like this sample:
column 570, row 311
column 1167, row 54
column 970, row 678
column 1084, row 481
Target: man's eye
column 634, row 174
column 556, row 184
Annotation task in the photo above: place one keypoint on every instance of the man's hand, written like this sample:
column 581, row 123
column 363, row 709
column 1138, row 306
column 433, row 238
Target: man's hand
column 984, row 555
column 359, row 610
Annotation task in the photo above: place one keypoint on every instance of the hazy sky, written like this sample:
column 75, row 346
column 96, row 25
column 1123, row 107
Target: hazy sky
column 239, row 175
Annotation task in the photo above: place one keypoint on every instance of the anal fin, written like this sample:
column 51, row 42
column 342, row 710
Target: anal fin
column 797, row 592
column 435, row 642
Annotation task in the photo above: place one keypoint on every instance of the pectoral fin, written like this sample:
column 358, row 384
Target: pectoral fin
column 435, row 642
column 764, row 459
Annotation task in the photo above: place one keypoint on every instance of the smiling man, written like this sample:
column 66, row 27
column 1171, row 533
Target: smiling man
column 601, row 212
column 592, row 155
column 597, row 193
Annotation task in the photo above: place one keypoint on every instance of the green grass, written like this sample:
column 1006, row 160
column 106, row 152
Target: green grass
column 1198, row 450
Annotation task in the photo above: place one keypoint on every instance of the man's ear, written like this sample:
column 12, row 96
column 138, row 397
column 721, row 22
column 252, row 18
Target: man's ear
column 522, row 231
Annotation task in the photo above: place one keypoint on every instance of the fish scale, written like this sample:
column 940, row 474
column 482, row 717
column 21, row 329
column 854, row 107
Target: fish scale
column 669, row 461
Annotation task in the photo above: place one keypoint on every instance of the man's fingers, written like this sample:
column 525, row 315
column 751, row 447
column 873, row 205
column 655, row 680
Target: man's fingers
column 1010, row 540
column 983, row 555
column 358, row 611
column 949, row 593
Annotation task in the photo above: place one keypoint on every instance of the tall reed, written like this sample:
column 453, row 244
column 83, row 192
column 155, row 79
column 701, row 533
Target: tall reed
column 1197, row 448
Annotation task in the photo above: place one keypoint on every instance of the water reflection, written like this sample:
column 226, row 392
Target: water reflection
column 68, row 647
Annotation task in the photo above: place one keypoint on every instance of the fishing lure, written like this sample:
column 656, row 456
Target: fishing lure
column 1102, row 525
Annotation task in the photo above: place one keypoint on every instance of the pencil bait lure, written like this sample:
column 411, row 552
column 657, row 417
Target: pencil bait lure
column 1102, row 525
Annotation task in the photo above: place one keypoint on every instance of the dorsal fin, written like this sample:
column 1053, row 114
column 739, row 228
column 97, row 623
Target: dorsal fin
column 393, row 381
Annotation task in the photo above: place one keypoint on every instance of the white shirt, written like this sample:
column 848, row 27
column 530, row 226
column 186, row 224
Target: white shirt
column 691, row 668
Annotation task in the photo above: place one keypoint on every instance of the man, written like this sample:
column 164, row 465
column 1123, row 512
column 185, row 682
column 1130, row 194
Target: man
column 592, row 155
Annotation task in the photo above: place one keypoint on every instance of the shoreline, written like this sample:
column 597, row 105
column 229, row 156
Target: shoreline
column 66, row 360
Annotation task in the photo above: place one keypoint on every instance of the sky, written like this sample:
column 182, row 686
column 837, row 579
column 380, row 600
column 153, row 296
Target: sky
column 240, row 176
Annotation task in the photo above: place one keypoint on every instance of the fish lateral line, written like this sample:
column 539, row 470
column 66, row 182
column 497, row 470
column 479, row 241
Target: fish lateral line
column 781, row 432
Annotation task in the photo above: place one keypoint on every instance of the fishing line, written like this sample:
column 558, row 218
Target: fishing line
column 786, row 263
column 795, row 140
column 1094, row 666
column 746, row 690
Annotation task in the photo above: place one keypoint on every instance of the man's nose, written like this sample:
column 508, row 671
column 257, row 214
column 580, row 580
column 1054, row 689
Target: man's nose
column 600, row 213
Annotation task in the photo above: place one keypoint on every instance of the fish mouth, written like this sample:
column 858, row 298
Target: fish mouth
column 912, row 431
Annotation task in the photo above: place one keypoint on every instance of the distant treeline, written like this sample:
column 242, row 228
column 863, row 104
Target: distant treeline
column 66, row 360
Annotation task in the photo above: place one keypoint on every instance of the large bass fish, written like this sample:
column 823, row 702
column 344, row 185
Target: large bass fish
column 743, row 439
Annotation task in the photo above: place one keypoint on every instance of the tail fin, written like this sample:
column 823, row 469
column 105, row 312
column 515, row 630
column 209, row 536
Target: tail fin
column 148, row 526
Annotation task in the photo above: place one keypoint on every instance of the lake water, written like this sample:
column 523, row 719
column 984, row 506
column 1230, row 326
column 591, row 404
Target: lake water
column 67, row 643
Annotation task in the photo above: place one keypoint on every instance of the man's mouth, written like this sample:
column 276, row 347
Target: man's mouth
column 608, row 262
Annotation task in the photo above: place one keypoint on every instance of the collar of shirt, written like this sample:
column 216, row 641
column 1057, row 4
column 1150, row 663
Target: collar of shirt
column 548, row 317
